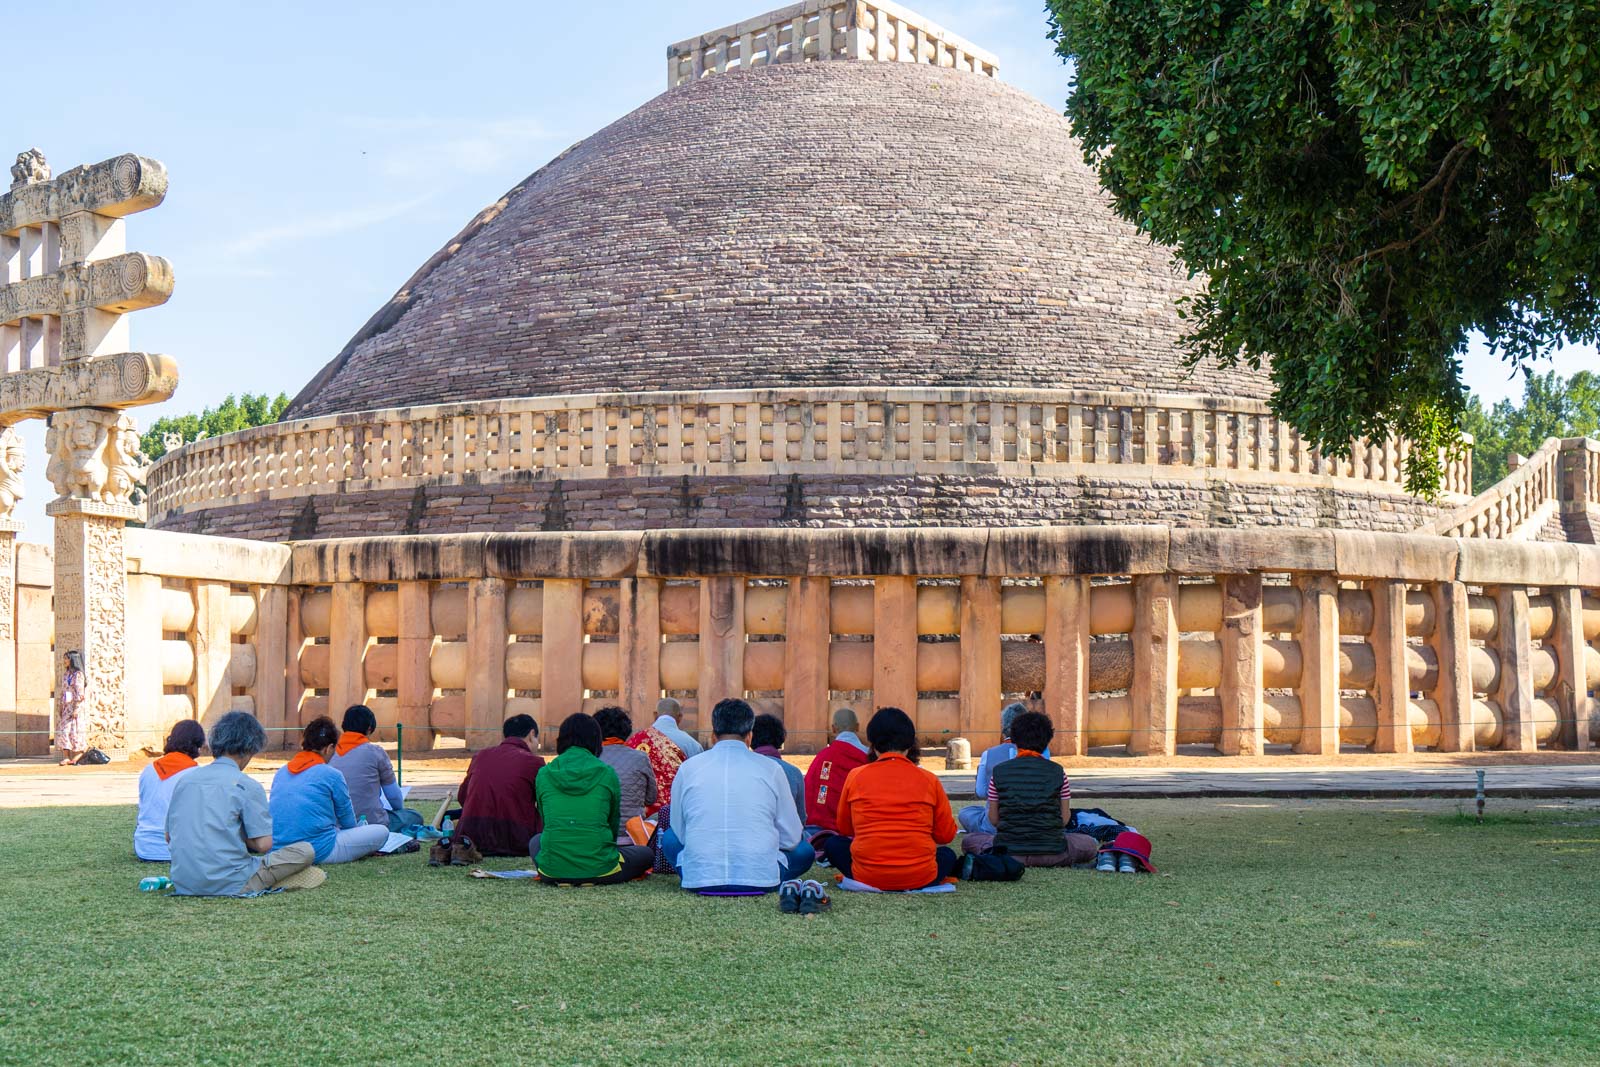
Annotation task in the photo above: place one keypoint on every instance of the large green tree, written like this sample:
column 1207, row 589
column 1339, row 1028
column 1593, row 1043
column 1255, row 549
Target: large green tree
column 1360, row 185
column 249, row 409
column 1551, row 406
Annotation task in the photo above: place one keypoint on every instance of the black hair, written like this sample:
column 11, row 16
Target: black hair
column 187, row 736
column 732, row 718
column 519, row 726
column 614, row 722
column 891, row 730
column 358, row 718
column 319, row 734
column 1032, row 730
column 578, row 731
column 768, row 730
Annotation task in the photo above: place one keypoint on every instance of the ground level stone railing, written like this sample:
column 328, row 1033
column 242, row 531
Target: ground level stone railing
column 1138, row 638
column 1027, row 433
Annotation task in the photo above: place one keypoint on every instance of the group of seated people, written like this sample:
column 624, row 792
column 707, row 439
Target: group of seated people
column 336, row 801
column 615, row 804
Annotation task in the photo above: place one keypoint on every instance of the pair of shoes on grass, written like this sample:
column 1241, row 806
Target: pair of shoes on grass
column 456, row 851
column 1116, row 863
column 807, row 897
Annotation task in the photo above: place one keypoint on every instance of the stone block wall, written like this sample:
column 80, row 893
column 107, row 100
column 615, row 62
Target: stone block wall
column 829, row 501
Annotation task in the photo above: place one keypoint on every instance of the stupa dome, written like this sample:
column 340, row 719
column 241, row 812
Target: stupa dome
column 797, row 225
column 838, row 274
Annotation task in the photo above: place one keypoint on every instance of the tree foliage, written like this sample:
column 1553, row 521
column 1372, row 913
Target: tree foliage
column 1551, row 406
column 249, row 409
column 1360, row 184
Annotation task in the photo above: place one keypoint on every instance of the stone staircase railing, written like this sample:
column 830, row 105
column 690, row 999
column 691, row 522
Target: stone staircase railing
column 1561, row 478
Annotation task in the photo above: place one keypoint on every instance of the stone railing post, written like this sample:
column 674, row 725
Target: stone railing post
column 212, row 640
column 639, row 641
column 979, row 712
column 1066, row 662
column 347, row 648
column 486, row 654
column 1514, row 645
column 1573, row 704
column 272, row 660
column 1452, row 647
column 1319, row 666
column 805, row 671
column 1154, row 692
column 1241, row 690
column 142, row 684
column 722, row 641
column 1391, row 687
column 414, row 690
column 894, row 643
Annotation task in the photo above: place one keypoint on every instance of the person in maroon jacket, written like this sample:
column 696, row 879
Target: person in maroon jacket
column 499, row 813
column 825, row 777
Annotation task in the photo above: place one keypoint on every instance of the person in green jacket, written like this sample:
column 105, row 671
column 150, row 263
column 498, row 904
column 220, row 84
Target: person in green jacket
column 580, row 799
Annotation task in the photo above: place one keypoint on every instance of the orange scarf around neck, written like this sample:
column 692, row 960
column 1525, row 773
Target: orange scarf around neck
column 348, row 740
column 302, row 760
column 608, row 742
column 171, row 764
column 1028, row 752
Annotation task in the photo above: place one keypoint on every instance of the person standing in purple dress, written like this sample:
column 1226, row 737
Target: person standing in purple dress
column 70, row 697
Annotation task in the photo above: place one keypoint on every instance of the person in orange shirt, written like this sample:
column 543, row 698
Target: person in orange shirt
column 894, row 817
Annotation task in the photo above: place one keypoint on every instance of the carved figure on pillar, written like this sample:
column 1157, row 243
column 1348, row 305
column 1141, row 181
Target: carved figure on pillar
column 30, row 168
column 125, row 464
column 12, row 462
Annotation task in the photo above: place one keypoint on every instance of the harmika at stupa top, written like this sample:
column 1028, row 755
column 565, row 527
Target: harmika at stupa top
column 837, row 274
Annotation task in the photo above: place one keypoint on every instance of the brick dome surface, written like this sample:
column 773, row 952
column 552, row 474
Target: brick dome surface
column 818, row 224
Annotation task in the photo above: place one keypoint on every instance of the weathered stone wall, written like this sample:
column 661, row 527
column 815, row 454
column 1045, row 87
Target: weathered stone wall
column 802, row 501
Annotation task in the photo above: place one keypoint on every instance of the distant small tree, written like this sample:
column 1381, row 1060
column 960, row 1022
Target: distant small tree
column 1551, row 406
column 249, row 409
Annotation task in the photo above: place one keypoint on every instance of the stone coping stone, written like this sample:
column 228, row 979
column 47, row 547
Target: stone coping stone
column 931, row 552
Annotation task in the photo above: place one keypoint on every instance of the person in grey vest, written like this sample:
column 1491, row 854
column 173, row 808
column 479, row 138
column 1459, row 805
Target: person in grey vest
column 1029, row 801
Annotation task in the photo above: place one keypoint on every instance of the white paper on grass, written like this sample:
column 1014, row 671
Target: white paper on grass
column 392, row 842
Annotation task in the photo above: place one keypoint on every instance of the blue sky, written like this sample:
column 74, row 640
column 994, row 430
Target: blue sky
column 318, row 153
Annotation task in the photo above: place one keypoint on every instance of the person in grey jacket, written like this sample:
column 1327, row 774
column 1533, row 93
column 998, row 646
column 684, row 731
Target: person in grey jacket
column 634, row 773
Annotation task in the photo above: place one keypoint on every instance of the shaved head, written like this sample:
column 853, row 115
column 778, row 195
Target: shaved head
column 845, row 719
column 668, row 706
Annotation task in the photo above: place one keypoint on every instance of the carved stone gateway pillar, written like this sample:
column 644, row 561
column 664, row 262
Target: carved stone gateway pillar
column 66, row 283
column 91, row 608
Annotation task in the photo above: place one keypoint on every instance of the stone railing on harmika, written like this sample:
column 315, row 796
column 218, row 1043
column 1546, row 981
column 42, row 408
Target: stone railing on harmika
column 825, row 30
column 1033, row 433
column 1138, row 638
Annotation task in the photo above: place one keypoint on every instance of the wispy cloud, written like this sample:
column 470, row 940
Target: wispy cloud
column 417, row 146
column 315, row 226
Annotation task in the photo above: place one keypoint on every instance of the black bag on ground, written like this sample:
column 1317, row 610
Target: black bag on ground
column 94, row 757
column 996, row 868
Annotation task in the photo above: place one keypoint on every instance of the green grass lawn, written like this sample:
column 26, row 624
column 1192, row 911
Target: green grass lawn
column 1278, row 932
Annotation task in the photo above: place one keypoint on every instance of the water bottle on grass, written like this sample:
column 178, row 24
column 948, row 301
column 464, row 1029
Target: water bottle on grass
column 155, row 883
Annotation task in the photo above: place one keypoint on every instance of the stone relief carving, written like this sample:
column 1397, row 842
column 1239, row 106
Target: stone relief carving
column 29, row 168
column 116, row 187
column 109, row 382
column 94, row 455
column 172, row 441
column 12, row 462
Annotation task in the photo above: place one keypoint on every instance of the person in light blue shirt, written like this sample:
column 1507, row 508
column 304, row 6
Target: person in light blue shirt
column 219, row 827
column 734, row 825
column 974, row 818
column 311, row 802
column 668, row 714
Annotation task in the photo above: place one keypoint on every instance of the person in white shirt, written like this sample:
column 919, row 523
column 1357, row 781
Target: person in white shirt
column 734, row 825
column 156, row 783
column 668, row 714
